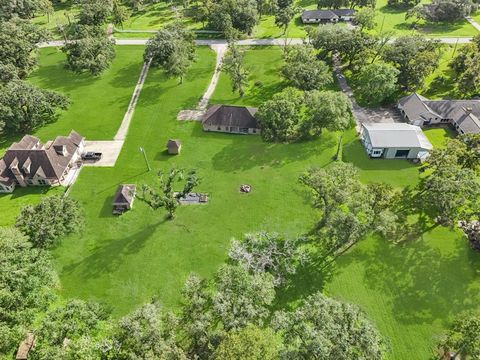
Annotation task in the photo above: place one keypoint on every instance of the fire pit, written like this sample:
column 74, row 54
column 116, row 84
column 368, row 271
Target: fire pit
column 245, row 188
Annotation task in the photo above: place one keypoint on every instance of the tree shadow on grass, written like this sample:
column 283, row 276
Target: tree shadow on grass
column 309, row 278
column 423, row 282
column 56, row 77
column 126, row 76
column 107, row 257
column 247, row 151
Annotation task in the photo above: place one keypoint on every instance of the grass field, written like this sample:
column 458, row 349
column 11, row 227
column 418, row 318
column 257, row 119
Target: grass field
column 392, row 19
column 97, row 109
column 411, row 290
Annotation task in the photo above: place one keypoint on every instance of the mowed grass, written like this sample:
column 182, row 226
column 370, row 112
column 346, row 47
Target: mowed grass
column 124, row 261
column 410, row 291
column 393, row 19
column 97, row 109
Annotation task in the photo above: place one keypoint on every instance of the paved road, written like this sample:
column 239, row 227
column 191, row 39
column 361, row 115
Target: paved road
column 248, row 42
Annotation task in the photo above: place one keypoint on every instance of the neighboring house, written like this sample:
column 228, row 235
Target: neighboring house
column 174, row 146
column 124, row 198
column 231, row 119
column 32, row 163
column 463, row 115
column 327, row 16
column 395, row 141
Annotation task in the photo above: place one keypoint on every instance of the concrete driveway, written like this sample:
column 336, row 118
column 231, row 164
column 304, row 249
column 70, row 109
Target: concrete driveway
column 110, row 151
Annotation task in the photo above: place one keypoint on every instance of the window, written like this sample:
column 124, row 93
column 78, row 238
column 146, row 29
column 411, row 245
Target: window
column 219, row 128
column 42, row 182
column 254, row 131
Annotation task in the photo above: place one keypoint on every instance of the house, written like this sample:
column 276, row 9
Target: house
column 174, row 146
column 327, row 16
column 123, row 200
column 25, row 347
column 231, row 119
column 462, row 115
column 29, row 162
column 395, row 141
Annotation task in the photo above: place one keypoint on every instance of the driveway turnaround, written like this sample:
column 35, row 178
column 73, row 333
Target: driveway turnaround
column 110, row 151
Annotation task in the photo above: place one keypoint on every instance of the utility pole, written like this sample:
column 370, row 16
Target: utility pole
column 142, row 150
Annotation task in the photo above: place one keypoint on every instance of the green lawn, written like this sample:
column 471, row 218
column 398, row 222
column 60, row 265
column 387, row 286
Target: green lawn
column 410, row 290
column 440, row 84
column 477, row 16
column 392, row 19
column 98, row 106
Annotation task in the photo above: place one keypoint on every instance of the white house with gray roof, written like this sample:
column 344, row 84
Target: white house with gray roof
column 395, row 141
column 463, row 115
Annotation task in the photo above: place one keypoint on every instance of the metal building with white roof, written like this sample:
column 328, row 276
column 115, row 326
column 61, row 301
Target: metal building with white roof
column 395, row 141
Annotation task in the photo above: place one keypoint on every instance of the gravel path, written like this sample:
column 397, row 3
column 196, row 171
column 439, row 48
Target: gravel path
column 474, row 23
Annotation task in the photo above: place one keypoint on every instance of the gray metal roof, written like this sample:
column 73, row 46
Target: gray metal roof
column 396, row 135
column 319, row 14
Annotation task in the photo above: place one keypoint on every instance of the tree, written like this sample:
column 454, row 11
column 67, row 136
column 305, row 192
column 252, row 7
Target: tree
column 120, row 13
column 27, row 284
column 281, row 117
column 443, row 10
column 269, row 253
column 377, row 82
column 91, row 53
column 94, row 12
column 18, row 45
column 451, row 193
column 352, row 45
column 463, row 338
column 167, row 198
column 283, row 17
column 349, row 211
column 403, row 3
column 331, row 110
column 332, row 4
column 462, row 151
column 197, row 320
column 472, row 231
column 70, row 331
column 173, row 49
column 24, row 9
column 249, row 343
column 241, row 15
column 146, row 334
column 242, row 298
column 466, row 68
column 304, row 70
column 24, row 107
column 415, row 57
column 365, row 18
column 233, row 65
column 324, row 328
column 54, row 217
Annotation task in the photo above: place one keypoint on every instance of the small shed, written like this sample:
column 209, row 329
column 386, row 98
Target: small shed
column 25, row 347
column 123, row 200
column 174, row 146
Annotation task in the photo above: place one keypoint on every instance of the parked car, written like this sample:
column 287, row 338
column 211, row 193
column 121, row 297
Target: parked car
column 95, row 156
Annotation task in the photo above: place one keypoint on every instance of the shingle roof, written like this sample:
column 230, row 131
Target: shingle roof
column 396, row 135
column 345, row 12
column 319, row 14
column 31, row 151
column 227, row 115
column 125, row 194
column 174, row 143
column 415, row 107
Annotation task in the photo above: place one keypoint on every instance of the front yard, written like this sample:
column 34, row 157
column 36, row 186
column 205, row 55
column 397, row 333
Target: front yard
column 411, row 291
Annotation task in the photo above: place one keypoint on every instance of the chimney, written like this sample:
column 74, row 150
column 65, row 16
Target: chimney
column 16, row 172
